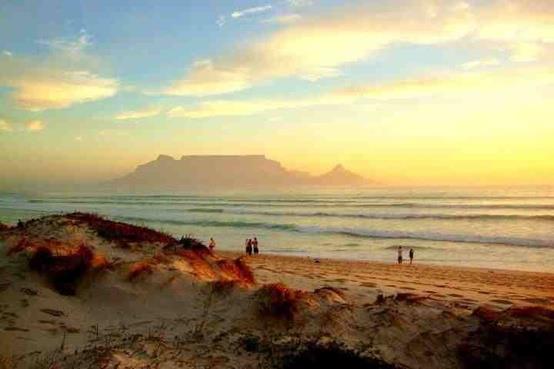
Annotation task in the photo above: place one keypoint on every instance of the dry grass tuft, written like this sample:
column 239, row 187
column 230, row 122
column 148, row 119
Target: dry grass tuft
column 486, row 313
column 531, row 312
column 279, row 301
column 236, row 270
column 139, row 268
column 121, row 233
column 409, row 297
column 223, row 287
column 202, row 269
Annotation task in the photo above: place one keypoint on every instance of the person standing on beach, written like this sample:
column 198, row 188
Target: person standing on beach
column 255, row 244
column 399, row 254
column 411, row 255
column 249, row 247
column 211, row 245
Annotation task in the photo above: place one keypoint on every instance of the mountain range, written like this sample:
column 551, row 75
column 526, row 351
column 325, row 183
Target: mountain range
column 228, row 172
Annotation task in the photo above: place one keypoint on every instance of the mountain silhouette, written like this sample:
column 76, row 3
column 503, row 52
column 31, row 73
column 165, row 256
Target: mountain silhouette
column 225, row 172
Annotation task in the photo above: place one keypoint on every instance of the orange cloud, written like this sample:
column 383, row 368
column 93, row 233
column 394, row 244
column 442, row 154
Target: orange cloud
column 59, row 80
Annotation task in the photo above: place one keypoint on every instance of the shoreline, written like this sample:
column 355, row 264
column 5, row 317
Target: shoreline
column 384, row 263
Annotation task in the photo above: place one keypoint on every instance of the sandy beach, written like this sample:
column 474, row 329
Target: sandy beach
column 81, row 291
column 458, row 286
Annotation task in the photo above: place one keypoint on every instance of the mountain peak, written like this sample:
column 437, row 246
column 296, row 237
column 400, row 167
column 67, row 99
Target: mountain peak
column 340, row 176
column 163, row 157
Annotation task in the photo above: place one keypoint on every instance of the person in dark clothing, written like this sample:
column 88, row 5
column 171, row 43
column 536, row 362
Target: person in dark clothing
column 411, row 255
column 255, row 246
column 249, row 247
column 399, row 254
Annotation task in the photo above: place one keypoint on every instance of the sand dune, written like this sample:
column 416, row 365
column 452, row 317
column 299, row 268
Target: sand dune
column 79, row 291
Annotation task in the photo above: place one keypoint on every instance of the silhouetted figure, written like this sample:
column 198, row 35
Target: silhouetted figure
column 399, row 254
column 211, row 245
column 249, row 247
column 411, row 255
column 255, row 246
column 19, row 223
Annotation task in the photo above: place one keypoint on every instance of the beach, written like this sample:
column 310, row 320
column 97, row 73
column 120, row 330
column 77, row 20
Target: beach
column 81, row 290
column 460, row 287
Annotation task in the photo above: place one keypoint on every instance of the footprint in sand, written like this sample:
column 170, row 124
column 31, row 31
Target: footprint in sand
column 4, row 286
column 53, row 312
column 537, row 300
column 16, row 329
column 368, row 284
column 28, row 291
column 502, row 302
column 455, row 295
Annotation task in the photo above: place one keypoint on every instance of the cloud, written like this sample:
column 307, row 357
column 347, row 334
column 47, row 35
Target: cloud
column 5, row 126
column 60, row 79
column 320, row 46
column 138, row 114
column 7, row 53
column 220, row 21
column 283, row 19
column 72, row 47
column 34, row 126
column 458, row 84
column 216, row 108
column 249, row 11
column 299, row 3
column 481, row 63
column 207, row 80
column 60, row 89
column 454, row 84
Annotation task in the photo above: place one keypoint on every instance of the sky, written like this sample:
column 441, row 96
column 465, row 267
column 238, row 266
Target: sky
column 405, row 92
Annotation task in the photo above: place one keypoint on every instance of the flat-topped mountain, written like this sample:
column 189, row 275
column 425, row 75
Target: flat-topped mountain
column 226, row 171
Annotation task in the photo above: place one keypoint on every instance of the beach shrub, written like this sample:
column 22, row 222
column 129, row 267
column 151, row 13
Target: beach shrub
column 121, row 233
column 191, row 243
column 313, row 355
column 279, row 301
column 63, row 271
column 508, row 347
column 3, row 227
column 223, row 287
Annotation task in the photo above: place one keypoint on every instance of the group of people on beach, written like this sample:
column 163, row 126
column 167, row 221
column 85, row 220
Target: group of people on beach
column 400, row 251
column 251, row 246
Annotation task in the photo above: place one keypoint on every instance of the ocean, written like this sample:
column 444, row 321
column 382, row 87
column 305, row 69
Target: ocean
column 493, row 228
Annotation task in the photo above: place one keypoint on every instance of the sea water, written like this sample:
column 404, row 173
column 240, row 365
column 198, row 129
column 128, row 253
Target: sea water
column 495, row 228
